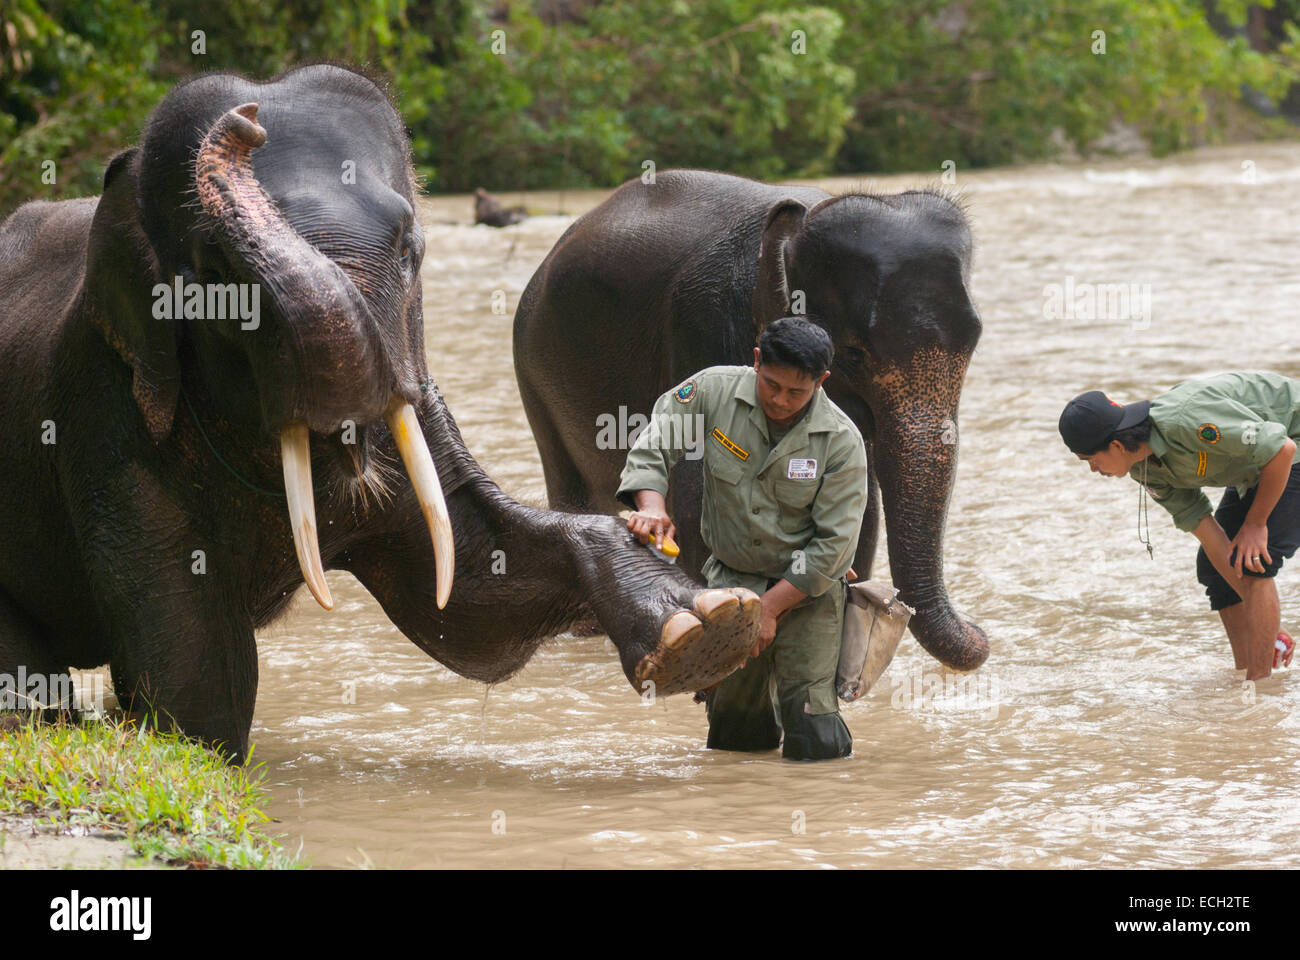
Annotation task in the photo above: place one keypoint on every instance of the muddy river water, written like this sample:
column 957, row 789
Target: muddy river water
column 1107, row 728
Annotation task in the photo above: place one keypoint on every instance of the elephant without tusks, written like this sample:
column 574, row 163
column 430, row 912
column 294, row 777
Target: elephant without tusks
column 213, row 387
column 667, row 277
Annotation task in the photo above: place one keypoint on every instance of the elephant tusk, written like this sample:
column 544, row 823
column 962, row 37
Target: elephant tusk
column 295, row 457
column 428, row 490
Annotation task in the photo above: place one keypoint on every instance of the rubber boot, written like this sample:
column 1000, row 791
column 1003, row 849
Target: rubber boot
column 815, row 736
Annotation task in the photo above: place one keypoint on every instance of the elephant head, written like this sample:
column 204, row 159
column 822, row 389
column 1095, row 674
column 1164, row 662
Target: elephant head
column 303, row 286
column 887, row 276
column 296, row 198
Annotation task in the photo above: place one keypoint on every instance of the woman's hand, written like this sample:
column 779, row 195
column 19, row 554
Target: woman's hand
column 1251, row 546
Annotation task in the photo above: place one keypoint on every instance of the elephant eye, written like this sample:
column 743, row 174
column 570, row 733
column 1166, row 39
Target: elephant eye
column 409, row 248
column 855, row 356
column 406, row 255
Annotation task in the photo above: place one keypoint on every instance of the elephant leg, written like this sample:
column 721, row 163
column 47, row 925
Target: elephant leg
column 200, row 682
column 685, row 495
column 24, row 658
column 566, row 488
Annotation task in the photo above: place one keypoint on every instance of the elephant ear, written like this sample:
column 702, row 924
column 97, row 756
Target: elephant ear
column 121, row 273
column 772, row 292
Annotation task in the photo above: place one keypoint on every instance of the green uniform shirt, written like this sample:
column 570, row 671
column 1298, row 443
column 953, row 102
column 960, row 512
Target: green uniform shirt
column 1217, row 432
column 791, row 511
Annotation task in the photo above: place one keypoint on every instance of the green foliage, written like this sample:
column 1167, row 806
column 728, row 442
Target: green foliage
column 74, row 89
column 494, row 95
column 719, row 84
column 994, row 84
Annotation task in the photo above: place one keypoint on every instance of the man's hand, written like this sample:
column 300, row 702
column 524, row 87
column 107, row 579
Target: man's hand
column 651, row 518
column 777, row 602
column 1251, row 546
column 766, row 632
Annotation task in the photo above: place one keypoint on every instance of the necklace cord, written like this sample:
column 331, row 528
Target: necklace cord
column 1143, row 518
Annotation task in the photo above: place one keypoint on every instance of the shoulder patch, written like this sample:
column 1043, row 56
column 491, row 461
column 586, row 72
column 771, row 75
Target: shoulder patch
column 1208, row 432
column 686, row 392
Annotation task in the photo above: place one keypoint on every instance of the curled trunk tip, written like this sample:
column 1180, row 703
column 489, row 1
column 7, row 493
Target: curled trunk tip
column 954, row 642
column 242, row 123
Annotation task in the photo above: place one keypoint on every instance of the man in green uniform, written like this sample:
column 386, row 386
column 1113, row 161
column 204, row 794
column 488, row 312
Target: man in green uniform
column 1235, row 430
column 785, row 487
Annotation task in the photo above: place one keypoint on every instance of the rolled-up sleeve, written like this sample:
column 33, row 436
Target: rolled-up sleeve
column 1187, row 505
column 657, row 448
column 837, row 520
column 1263, row 441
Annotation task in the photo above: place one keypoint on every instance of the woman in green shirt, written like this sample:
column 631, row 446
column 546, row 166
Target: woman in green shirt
column 1235, row 430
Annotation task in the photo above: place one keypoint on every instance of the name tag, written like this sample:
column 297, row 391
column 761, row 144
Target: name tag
column 801, row 469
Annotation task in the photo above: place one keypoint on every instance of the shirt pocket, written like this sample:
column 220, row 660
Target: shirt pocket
column 724, row 483
column 795, row 498
column 725, row 467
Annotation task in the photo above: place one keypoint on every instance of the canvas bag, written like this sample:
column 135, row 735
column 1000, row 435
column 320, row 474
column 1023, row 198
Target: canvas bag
column 874, row 622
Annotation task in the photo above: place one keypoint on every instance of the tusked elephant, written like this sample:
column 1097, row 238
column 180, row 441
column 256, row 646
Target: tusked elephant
column 169, row 483
column 667, row 277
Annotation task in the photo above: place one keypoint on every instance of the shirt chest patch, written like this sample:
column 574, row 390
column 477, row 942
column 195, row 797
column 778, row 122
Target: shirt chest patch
column 801, row 469
column 730, row 444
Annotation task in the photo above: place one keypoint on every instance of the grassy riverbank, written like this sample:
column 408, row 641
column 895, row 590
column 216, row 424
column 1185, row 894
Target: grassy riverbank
column 165, row 796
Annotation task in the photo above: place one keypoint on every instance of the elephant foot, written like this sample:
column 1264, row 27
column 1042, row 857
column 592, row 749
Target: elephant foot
column 699, row 647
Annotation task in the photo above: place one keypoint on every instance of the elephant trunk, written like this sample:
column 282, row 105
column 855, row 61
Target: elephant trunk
column 916, row 462
column 329, row 349
column 334, row 367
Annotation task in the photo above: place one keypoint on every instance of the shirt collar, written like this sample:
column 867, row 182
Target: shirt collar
column 1159, row 446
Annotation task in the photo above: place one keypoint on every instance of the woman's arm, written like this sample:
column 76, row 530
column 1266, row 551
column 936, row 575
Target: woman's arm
column 1217, row 548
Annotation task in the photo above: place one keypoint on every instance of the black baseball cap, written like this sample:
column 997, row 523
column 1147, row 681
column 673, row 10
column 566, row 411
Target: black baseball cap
column 1091, row 420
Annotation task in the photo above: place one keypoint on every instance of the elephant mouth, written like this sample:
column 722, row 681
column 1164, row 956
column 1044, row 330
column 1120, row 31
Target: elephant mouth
column 295, row 459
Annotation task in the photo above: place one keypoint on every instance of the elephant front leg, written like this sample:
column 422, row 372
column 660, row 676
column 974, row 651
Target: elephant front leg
column 30, row 677
column 522, row 574
column 200, row 680
column 673, row 634
column 685, row 496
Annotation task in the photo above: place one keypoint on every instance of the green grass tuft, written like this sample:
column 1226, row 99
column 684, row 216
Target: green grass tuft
column 170, row 797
